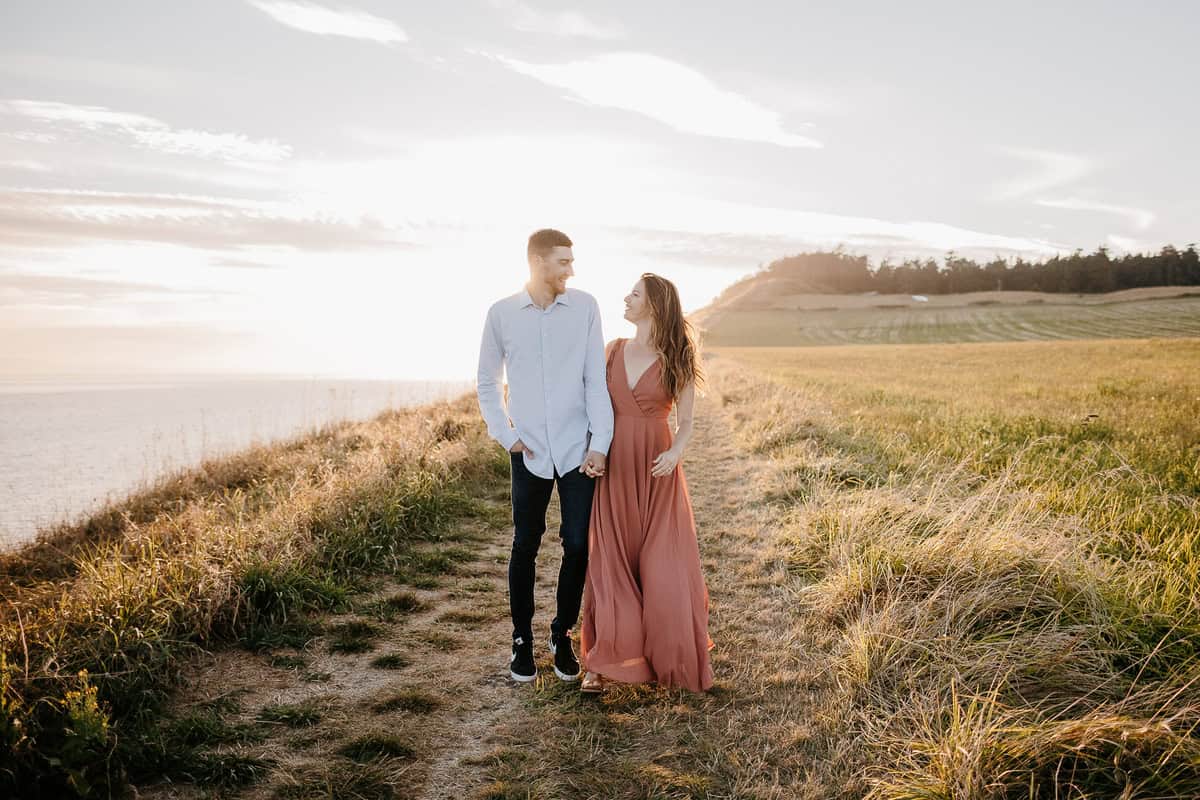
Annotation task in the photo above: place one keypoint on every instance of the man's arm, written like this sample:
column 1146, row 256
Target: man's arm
column 595, row 387
column 488, row 386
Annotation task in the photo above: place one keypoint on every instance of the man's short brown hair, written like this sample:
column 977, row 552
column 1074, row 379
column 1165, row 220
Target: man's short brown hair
column 543, row 241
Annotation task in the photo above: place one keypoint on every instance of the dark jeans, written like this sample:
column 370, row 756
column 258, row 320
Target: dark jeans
column 530, row 498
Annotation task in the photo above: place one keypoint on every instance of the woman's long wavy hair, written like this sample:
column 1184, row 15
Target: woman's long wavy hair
column 673, row 336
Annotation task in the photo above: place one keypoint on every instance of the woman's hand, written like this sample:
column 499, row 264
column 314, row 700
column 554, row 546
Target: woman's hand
column 665, row 464
column 593, row 466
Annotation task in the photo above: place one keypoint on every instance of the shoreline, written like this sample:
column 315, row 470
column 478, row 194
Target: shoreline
column 119, row 440
column 237, row 551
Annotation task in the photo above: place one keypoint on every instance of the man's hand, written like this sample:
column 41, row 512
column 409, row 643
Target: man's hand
column 519, row 447
column 593, row 466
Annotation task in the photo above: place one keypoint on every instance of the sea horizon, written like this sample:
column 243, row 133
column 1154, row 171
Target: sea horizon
column 70, row 444
column 34, row 382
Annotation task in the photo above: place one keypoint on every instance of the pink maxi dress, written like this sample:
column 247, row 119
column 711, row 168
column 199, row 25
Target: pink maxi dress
column 645, row 604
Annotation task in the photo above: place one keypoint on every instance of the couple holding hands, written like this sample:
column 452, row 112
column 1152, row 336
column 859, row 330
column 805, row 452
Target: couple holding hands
column 593, row 420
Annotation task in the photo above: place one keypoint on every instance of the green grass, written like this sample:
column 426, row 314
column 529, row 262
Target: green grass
column 291, row 715
column 439, row 640
column 295, row 633
column 1178, row 317
column 412, row 701
column 371, row 747
column 475, row 586
column 243, row 551
column 462, row 616
column 205, row 727
column 181, row 748
column 334, row 781
column 227, row 770
column 391, row 608
column 391, row 661
column 355, row 636
column 285, row 661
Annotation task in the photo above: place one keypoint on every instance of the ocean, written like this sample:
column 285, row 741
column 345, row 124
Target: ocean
column 66, row 448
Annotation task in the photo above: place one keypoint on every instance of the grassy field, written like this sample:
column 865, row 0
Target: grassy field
column 1104, row 404
column 1005, row 539
column 936, row 323
column 936, row 572
column 105, row 622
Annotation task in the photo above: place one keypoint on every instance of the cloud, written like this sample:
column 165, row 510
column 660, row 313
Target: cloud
column 558, row 23
column 243, row 263
column 664, row 90
column 92, row 71
column 875, row 238
column 54, row 219
column 1140, row 218
column 1056, row 170
column 1127, row 244
column 313, row 18
column 146, row 132
column 29, row 137
column 720, row 250
column 1052, row 170
column 26, row 165
column 618, row 185
column 26, row 288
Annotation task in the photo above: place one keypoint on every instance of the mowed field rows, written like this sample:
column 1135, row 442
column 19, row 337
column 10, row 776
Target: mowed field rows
column 1175, row 317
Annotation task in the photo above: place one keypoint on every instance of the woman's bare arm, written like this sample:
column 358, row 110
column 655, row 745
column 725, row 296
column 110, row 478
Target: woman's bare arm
column 684, row 414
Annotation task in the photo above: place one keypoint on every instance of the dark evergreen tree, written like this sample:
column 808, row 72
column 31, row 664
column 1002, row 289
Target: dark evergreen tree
column 838, row 272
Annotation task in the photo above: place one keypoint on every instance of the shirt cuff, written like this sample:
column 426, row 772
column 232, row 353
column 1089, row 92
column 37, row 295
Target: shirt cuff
column 508, row 438
column 600, row 445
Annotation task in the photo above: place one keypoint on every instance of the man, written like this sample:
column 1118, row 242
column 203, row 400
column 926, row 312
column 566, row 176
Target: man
column 557, row 428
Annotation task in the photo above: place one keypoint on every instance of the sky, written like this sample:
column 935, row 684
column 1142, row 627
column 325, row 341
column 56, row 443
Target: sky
column 342, row 189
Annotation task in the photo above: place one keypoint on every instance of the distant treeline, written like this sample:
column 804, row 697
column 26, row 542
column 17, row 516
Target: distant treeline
column 838, row 272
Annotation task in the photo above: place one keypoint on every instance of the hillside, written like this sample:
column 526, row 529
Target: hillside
column 767, row 310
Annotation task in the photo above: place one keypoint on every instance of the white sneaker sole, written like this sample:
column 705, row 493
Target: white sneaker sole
column 523, row 678
column 562, row 676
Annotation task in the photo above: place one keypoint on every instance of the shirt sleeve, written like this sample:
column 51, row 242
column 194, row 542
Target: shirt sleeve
column 488, row 384
column 595, row 386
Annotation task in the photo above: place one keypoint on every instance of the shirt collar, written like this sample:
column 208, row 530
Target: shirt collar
column 527, row 299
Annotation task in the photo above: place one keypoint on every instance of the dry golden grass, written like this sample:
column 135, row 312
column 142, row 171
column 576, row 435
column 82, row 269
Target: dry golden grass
column 1013, row 592
column 100, row 618
column 933, row 575
column 911, row 612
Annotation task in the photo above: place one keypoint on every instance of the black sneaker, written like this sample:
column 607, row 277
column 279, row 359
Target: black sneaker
column 566, row 667
column 522, row 667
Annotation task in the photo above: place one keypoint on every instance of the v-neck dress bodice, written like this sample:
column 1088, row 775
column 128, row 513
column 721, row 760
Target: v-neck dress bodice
column 647, row 398
column 645, row 603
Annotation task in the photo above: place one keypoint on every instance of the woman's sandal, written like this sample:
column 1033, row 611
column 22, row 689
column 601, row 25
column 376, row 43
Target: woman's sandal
column 592, row 683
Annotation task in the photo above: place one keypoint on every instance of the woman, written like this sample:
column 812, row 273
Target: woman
column 645, row 605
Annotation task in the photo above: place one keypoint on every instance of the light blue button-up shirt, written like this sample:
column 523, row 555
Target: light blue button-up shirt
column 558, row 402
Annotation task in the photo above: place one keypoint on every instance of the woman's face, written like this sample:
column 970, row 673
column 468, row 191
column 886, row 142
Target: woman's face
column 636, row 307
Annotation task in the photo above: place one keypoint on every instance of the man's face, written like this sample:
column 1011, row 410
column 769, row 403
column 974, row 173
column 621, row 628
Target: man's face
column 555, row 267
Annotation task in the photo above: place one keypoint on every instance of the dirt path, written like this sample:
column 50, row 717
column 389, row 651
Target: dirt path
column 447, row 696
column 755, row 735
column 493, row 707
